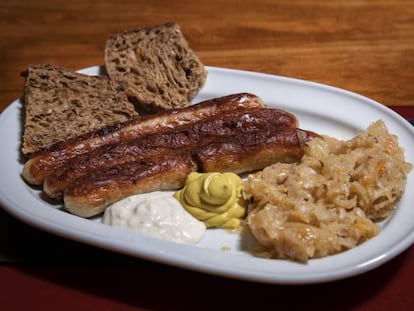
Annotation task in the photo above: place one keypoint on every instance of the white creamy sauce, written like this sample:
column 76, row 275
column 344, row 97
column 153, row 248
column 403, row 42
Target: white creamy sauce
column 157, row 214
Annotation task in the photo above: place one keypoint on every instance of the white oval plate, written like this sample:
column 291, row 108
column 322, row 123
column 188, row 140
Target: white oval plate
column 319, row 108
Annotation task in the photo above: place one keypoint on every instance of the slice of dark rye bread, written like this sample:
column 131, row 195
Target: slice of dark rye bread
column 156, row 66
column 60, row 104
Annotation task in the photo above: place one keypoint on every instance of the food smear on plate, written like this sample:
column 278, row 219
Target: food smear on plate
column 331, row 200
column 214, row 198
column 157, row 214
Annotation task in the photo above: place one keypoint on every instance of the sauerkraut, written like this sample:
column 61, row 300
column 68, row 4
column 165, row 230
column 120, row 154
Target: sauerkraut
column 332, row 199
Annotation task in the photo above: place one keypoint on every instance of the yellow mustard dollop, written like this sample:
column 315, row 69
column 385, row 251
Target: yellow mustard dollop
column 214, row 198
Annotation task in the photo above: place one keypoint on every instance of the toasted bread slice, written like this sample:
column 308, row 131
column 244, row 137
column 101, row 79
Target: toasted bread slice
column 156, row 66
column 61, row 104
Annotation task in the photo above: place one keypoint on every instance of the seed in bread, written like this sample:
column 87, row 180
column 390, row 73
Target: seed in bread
column 61, row 104
column 156, row 66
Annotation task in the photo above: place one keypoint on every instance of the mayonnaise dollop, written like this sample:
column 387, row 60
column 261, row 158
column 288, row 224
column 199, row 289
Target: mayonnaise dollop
column 214, row 198
column 157, row 214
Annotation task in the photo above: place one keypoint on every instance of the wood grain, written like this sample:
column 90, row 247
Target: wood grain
column 363, row 46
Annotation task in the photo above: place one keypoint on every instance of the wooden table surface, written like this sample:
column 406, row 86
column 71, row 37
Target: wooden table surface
column 363, row 46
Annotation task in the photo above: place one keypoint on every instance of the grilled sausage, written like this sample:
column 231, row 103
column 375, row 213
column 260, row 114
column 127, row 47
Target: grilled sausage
column 91, row 194
column 253, row 152
column 40, row 165
column 263, row 121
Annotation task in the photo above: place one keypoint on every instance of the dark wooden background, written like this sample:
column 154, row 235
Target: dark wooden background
column 363, row 46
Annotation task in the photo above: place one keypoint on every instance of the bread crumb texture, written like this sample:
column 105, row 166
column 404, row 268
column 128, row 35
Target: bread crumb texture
column 61, row 104
column 156, row 66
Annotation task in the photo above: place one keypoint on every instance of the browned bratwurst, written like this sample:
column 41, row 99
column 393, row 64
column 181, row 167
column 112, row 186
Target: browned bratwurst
column 261, row 120
column 41, row 164
column 92, row 193
column 252, row 152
